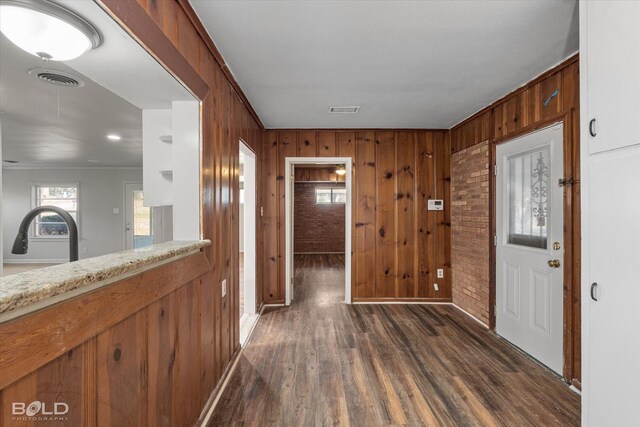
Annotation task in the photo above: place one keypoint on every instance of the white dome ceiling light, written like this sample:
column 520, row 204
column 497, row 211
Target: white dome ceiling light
column 47, row 30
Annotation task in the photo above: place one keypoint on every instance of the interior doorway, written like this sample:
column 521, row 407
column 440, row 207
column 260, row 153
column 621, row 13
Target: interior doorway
column 139, row 219
column 530, row 244
column 247, row 242
column 318, row 229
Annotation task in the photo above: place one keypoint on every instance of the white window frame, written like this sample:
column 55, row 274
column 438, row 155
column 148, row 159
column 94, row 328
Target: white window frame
column 34, row 204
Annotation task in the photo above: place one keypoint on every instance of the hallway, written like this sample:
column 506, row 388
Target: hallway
column 322, row 362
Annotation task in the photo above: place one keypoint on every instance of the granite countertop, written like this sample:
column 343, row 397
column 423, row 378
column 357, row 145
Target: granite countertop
column 33, row 288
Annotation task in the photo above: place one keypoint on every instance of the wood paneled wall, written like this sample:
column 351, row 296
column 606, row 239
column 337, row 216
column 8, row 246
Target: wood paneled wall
column 171, row 30
column 551, row 97
column 397, row 244
column 136, row 352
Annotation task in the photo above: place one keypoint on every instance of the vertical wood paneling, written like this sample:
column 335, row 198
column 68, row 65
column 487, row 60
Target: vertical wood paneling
column 186, row 383
column 396, row 243
column 307, row 144
column 62, row 380
column 385, row 214
column 270, row 227
column 424, row 191
column 122, row 373
column 405, row 214
column 365, row 215
column 326, row 144
column 287, row 147
column 162, row 321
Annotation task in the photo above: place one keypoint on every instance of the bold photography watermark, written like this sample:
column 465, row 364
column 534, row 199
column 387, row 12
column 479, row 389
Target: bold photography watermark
column 39, row 411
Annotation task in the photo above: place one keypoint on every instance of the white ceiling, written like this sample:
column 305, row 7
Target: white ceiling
column 47, row 126
column 408, row 64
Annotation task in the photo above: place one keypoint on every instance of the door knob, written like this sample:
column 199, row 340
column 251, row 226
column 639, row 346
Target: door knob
column 554, row 263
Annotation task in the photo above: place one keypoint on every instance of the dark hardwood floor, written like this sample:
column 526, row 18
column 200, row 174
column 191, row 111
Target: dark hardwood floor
column 322, row 362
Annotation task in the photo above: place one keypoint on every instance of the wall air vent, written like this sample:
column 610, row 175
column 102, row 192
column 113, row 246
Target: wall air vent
column 56, row 77
column 344, row 110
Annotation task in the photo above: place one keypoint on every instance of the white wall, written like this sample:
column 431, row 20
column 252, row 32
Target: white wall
column 101, row 190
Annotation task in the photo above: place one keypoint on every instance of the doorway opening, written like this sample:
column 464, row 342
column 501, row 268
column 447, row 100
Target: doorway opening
column 318, row 230
column 247, row 243
column 530, row 244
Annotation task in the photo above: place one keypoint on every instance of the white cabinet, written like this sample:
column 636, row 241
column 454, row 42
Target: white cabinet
column 610, row 191
column 611, row 45
column 613, row 263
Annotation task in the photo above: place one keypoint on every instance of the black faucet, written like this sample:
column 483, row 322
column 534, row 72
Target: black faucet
column 21, row 244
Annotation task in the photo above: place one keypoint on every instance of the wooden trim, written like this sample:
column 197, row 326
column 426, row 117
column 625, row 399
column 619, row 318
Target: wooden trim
column 356, row 130
column 204, row 35
column 569, row 234
column 130, row 14
column 40, row 337
column 520, row 89
column 402, row 300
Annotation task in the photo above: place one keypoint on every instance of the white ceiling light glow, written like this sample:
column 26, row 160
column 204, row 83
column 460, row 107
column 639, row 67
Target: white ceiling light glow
column 47, row 30
column 114, row 137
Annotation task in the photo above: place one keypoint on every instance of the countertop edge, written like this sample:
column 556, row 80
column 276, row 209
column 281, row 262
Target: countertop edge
column 30, row 291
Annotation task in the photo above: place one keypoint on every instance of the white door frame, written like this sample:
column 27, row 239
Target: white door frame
column 250, row 202
column 288, row 202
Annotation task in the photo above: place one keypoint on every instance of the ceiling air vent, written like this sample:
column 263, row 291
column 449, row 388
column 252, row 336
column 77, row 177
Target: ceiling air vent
column 56, row 77
column 344, row 110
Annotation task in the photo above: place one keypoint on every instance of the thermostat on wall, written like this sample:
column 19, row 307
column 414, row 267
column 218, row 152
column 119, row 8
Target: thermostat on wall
column 435, row 205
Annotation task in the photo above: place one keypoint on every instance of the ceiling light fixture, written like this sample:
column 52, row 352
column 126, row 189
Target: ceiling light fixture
column 341, row 170
column 47, row 30
column 114, row 137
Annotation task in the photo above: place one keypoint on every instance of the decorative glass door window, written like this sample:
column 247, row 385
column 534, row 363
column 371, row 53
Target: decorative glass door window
column 528, row 206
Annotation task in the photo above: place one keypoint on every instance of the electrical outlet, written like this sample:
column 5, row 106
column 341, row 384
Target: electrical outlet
column 224, row 288
column 440, row 273
column 116, row 210
column 436, row 287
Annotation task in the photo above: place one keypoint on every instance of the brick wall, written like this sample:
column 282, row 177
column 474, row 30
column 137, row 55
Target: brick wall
column 470, row 230
column 318, row 228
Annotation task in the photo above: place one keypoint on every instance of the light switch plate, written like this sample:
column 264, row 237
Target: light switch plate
column 436, row 287
column 116, row 210
column 440, row 273
column 224, row 288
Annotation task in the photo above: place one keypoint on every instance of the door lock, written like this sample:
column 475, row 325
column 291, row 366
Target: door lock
column 554, row 263
column 556, row 246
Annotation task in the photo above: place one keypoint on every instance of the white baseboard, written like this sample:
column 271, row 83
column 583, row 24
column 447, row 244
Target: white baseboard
column 34, row 261
column 471, row 315
column 270, row 305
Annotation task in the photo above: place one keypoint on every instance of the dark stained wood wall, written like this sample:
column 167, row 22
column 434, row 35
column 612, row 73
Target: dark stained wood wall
column 397, row 245
column 518, row 113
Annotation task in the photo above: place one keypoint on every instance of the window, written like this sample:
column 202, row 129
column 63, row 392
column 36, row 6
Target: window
column 331, row 195
column 64, row 196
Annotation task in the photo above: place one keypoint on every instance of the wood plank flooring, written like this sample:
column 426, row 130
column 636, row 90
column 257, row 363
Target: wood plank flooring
column 322, row 362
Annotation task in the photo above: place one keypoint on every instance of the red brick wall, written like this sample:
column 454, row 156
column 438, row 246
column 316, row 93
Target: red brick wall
column 470, row 230
column 318, row 228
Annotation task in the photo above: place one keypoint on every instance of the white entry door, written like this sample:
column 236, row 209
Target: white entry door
column 529, row 244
